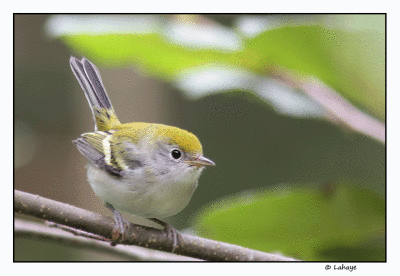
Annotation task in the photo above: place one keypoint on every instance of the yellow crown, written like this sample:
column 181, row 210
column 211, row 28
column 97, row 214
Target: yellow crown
column 158, row 132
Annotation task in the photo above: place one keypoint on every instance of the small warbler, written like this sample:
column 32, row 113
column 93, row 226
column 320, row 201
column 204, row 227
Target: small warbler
column 143, row 169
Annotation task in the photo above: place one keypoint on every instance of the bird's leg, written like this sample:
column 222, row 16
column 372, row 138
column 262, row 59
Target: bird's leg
column 172, row 234
column 120, row 224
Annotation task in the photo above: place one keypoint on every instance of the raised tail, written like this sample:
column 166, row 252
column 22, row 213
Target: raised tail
column 89, row 78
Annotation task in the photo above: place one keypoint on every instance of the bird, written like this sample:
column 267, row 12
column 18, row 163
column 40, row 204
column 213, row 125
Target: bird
column 144, row 169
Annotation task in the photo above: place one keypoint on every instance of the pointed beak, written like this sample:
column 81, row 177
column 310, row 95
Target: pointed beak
column 201, row 161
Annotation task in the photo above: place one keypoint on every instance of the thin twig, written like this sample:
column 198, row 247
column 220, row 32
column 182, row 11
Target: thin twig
column 75, row 231
column 34, row 230
column 338, row 109
column 148, row 237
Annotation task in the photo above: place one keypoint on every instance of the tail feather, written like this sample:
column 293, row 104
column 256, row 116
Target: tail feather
column 90, row 80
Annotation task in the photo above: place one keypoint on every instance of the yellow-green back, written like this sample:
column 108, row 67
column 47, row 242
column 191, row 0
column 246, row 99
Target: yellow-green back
column 106, row 119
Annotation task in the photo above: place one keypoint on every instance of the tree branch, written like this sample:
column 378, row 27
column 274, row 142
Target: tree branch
column 191, row 246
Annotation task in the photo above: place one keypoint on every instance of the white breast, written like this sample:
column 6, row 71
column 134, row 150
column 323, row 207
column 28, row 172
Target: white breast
column 138, row 197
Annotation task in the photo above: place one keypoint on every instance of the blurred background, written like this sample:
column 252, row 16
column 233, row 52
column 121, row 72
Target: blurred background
column 300, row 171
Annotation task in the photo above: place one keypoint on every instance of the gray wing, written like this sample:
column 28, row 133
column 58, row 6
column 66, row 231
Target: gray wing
column 94, row 156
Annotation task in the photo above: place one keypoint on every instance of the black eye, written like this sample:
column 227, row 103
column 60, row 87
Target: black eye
column 176, row 154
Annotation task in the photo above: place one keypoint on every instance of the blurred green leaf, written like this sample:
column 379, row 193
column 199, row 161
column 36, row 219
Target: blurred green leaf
column 353, row 63
column 349, row 59
column 150, row 51
column 346, row 224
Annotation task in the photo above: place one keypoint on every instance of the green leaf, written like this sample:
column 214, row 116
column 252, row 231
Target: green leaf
column 353, row 63
column 308, row 224
column 349, row 55
column 149, row 51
